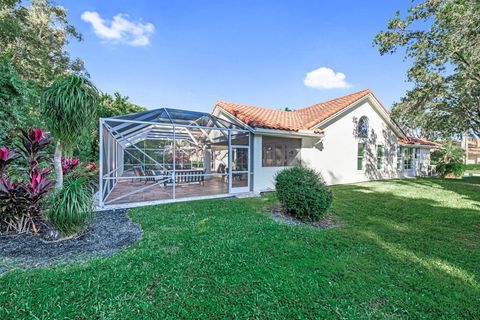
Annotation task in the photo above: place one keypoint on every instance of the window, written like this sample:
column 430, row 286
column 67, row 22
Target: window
column 362, row 127
column 380, row 155
column 417, row 154
column 360, row 156
column 407, row 159
column 399, row 158
column 280, row 152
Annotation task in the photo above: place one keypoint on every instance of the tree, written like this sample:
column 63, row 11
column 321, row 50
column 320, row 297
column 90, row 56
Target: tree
column 34, row 38
column 14, row 95
column 69, row 107
column 108, row 106
column 111, row 106
column 442, row 39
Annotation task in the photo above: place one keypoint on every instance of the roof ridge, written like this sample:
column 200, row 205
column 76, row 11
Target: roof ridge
column 368, row 90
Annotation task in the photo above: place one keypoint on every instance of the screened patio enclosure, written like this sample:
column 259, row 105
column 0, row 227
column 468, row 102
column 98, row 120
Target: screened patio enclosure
column 169, row 154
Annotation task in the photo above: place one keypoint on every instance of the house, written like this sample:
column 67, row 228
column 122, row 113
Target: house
column 165, row 154
column 471, row 145
column 347, row 139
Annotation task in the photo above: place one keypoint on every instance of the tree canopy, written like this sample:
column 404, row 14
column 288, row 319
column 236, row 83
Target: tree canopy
column 441, row 38
column 34, row 37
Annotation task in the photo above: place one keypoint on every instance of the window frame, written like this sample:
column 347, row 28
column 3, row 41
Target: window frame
column 363, row 133
column 361, row 157
column 407, row 159
column 380, row 156
column 399, row 158
column 283, row 158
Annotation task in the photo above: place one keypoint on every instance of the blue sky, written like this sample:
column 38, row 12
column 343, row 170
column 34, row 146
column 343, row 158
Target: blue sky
column 189, row 54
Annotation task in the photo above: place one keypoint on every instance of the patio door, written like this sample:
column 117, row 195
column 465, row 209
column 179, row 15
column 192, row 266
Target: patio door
column 240, row 164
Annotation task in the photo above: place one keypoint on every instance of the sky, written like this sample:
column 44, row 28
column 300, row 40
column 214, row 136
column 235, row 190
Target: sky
column 189, row 54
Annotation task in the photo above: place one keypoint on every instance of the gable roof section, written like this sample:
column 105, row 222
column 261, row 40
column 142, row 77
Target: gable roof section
column 319, row 112
column 302, row 119
column 259, row 117
column 305, row 119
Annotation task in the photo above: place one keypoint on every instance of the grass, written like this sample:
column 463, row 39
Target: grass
column 407, row 249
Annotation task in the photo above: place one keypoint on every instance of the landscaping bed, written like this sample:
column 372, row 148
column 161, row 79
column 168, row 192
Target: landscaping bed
column 109, row 232
column 327, row 221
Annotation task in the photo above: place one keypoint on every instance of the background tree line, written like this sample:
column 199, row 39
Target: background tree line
column 33, row 39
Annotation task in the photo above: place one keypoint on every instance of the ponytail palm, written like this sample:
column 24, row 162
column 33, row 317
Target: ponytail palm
column 69, row 108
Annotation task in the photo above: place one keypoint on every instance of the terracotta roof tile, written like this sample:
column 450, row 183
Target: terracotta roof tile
column 302, row 119
column 415, row 140
column 321, row 111
column 258, row 117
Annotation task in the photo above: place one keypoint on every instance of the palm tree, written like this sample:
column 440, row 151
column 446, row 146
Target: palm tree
column 69, row 107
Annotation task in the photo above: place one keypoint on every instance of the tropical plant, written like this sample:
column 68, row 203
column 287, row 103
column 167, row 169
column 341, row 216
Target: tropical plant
column 303, row 193
column 68, row 164
column 34, row 35
column 71, row 207
column 21, row 201
column 69, row 107
column 442, row 40
column 449, row 160
column 6, row 157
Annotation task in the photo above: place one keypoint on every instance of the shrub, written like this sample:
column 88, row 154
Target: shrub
column 21, row 200
column 303, row 193
column 449, row 160
column 450, row 169
column 71, row 206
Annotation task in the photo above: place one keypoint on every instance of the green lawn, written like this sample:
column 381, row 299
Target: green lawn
column 407, row 249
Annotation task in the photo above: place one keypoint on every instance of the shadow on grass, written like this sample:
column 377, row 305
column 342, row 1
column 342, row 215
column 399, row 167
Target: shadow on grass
column 440, row 235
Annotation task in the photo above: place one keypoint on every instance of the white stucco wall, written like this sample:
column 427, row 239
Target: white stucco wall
column 335, row 157
column 263, row 177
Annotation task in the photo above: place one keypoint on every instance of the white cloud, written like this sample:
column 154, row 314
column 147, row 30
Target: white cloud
column 325, row 78
column 120, row 29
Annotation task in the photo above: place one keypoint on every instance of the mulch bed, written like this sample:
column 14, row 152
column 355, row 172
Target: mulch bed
column 326, row 222
column 109, row 232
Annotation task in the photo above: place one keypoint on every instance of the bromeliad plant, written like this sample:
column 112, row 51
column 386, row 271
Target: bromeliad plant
column 21, row 200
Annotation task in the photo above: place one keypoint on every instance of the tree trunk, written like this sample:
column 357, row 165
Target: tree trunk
column 57, row 160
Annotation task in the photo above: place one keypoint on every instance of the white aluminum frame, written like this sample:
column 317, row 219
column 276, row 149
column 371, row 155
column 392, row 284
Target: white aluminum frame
column 111, row 160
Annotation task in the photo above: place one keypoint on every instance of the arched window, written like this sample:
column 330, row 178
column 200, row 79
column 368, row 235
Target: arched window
column 362, row 127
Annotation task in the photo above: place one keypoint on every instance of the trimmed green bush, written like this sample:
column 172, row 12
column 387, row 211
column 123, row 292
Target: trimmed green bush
column 449, row 160
column 303, row 193
column 71, row 207
column 449, row 170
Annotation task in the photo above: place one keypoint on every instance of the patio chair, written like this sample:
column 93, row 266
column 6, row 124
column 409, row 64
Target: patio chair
column 140, row 173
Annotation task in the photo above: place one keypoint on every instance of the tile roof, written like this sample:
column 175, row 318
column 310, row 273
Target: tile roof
column 302, row 119
column 321, row 111
column 415, row 140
